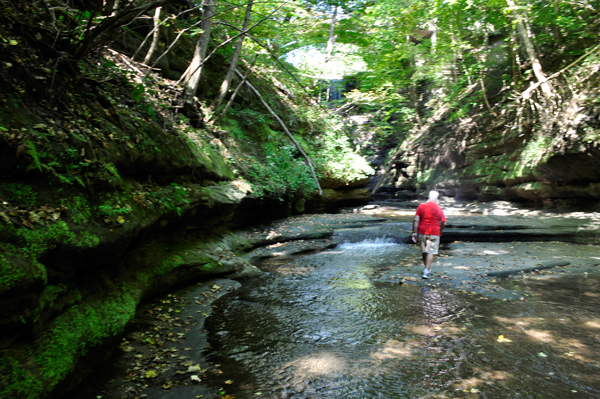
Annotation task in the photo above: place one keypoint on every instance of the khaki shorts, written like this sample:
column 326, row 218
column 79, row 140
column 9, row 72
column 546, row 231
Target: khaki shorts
column 429, row 244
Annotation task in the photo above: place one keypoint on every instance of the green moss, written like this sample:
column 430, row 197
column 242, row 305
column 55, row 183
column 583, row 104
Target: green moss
column 493, row 170
column 15, row 268
column 17, row 381
column 38, row 241
column 426, row 176
column 537, row 150
column 85, row 239
column 168, row 264
column 531, row 186
column 208, row 157
column 50, row 295
column 77, row 330
column 19, row 262
column 41, row 239
column 71, row 335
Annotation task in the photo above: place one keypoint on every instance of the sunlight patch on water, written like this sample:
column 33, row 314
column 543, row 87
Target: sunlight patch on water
column 355, row 284
column 593, row 324
column 319, row 364
column 394, row 350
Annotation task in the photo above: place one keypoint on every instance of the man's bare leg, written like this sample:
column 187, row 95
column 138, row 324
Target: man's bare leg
column 427, row 260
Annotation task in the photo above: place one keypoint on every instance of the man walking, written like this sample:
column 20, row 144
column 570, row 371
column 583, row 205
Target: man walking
column 428, row 225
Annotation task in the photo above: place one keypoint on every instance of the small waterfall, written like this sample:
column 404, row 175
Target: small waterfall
column 369, row 243
column 331, row 91
column 374, row 235
column 334, row 91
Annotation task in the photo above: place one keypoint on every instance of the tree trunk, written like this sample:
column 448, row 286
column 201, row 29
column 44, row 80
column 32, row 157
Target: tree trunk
column 329, row 52
column 332, row 36
column 191, row 76
column 415, row 100
column 515, row 60
column 413, row 93
column 235, row 92
column 487, row 103
column 484, row 60
column 536, row 66
column 155, row 36
column 557, row 35
column 234, row 60
column 455, row 57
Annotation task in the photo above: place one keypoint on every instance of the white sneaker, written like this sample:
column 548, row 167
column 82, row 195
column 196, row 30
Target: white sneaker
column 425, row 273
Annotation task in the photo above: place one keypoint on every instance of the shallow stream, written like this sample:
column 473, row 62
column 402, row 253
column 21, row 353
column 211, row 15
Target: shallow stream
column 320, row 326
column 356, row 321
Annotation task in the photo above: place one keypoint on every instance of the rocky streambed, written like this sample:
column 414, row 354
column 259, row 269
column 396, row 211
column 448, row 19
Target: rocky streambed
column 339, row 310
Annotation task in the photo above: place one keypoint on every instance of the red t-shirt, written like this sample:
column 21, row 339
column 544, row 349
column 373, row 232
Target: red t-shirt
column 430, row 215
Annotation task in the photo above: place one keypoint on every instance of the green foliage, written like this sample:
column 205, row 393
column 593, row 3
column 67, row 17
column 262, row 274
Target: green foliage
column 137, row 92
column 311, row 61
column 79, row 209
column 19, row 260
column 32, row 150
column 110, row 173
column 283, row 171
column 178, row 197
column 171, row 198
column 537, row 150
column 21, row 194
column 114, row 206
column 338, row 161
column 248, row 117
column 50, row 294
column 41, row 239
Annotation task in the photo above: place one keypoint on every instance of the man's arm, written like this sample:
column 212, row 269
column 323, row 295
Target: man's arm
column 415, row 227
column 442, row 227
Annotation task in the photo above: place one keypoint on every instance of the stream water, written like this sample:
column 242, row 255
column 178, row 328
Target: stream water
column 321, row 326
column 336, row 324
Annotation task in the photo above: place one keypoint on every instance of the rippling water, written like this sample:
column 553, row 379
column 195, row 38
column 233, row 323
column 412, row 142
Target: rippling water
column 319, row 326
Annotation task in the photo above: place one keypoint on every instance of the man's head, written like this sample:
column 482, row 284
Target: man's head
column 433, row 196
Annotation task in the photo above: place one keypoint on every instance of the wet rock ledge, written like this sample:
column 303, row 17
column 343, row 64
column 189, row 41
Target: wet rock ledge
column 70, row 290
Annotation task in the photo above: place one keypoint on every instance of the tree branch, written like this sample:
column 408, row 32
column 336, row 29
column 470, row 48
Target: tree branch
column 282, row 65
column 97, row 36
column 225, row 42
column 527, row 93
column 235, row 92
column 308, row 160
